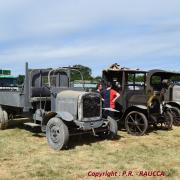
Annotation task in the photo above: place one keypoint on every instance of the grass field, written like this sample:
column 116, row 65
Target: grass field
column 26, row 155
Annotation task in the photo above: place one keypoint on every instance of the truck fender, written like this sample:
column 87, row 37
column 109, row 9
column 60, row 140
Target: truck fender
column 141, row 106
column 66, row 116
column 168, row 106
column 177, row 102
column 174, row 104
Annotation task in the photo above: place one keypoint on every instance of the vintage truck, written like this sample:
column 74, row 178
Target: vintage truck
column 139, row 105
column 59, row 109
column 167, row 84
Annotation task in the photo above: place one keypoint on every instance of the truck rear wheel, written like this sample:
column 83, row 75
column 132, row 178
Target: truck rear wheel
column 176, row 116
column 136, row 123
column 57, row 133
column 168, row 120
column 3, row 120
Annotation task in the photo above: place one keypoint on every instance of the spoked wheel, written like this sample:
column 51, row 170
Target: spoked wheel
column 57, row 133
column 168, row 120
column 176, row 116
column 136, row 123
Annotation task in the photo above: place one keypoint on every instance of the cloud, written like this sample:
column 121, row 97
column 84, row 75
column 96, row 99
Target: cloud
column 93, row 33
column 45, row 18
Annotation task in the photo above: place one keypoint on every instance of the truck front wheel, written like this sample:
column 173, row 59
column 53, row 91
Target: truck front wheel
column 57, row 133
column 136, row 123
column 112, row 127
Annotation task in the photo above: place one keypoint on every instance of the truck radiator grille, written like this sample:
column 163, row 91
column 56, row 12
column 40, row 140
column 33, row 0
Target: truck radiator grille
column 91, row 106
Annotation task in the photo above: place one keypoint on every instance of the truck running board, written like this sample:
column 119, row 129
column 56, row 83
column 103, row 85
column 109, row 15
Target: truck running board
column 32, row 124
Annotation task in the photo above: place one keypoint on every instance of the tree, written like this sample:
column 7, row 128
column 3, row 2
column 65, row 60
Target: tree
column 98, row 78
column 86, row 72
column 20, row 79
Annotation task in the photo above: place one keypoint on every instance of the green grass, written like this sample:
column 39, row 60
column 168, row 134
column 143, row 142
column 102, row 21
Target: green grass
column 26, row 155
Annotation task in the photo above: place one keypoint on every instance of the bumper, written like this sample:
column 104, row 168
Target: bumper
column 88, row 125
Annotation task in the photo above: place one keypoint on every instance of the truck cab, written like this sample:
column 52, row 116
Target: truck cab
column 166, row 84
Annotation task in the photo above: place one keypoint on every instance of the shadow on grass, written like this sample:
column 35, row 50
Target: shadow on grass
column 156, row 129
column 78, row 140
column 87, row 139
column 19, row 124
column 151, row 129
column 74, row 140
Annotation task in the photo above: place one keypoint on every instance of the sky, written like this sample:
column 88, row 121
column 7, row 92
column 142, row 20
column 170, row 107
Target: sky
column 141, row 34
